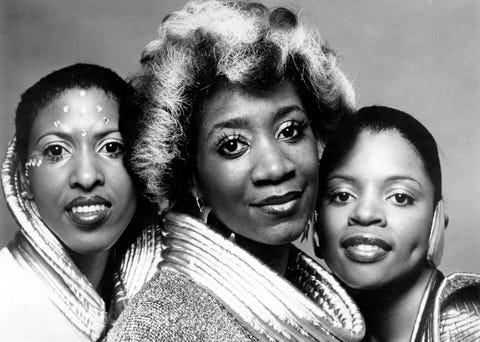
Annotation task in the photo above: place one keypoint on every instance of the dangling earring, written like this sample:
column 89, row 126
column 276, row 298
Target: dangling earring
column 437, row 235
column 310, row 226
column 203, row 209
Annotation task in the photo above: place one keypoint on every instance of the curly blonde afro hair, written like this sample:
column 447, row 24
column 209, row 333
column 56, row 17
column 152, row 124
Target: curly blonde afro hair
column 213, row 42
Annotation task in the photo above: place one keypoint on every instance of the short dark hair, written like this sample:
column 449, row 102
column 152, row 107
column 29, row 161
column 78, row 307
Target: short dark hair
column 377, row 119
column 51, row 86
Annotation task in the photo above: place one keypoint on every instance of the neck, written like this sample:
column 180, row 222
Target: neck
column 275, row 257
column 92, row 266
column 390, row 313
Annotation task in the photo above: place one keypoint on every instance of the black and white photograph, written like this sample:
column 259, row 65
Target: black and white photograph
column 236, row 170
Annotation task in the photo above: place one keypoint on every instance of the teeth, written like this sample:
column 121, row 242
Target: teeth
column 89, row 208
column 367, row 248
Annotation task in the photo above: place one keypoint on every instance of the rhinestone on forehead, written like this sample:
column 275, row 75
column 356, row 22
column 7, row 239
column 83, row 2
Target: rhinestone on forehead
column 82, row 93
column 66, row 109
column 98, row 108
column 84, row 133
column 83, row 110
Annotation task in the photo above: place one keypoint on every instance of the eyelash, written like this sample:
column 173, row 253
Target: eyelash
column 408, row 197
column 119, row 145
column 54, row 158
column 47, row 151
column 299, row 126
column 333, row 197
column 228, row 138
column 221, row 143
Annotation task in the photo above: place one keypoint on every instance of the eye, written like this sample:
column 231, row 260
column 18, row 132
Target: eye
column 113, row 149
column 341, row 197
column 291, row 130
column 55, row 152
column 232, row 146
column 401, row 199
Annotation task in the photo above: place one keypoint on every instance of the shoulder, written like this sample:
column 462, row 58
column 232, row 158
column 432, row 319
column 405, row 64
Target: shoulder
column 458, row 307
column 172, row 307
column 26, row 313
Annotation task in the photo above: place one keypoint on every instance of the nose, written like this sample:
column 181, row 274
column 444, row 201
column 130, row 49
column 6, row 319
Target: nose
column 87, row 172
column 272, row 164
column 367, row 212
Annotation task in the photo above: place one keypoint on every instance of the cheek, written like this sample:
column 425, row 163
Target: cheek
column 46, row 184
column 329, row 226
column 122, row 185
column 305, row 156
column 414, row 232
column 222, row 181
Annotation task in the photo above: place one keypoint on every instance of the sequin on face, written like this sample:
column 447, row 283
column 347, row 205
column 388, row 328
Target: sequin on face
column 106, row 120
column 82, row 93
column 66, row 109
column 84, row 133
column 98, row 108
column 83, row 110
column 32, row 162
column 57, row 123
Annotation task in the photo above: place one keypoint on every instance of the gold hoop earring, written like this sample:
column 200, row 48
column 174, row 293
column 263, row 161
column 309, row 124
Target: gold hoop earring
column 437, row 235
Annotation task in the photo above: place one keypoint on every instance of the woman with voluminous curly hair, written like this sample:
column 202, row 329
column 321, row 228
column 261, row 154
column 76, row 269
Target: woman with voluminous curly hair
column 237, row 100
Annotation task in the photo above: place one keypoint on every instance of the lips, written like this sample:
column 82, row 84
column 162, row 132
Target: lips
column 87, row 212
column 281, row 205
column 365, row 249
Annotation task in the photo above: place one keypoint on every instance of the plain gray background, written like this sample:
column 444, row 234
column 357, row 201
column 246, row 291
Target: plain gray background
column 420, row 56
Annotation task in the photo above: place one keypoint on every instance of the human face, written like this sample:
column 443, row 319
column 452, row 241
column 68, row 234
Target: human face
column 376, row 213
column 79, row 183
column 257, row 163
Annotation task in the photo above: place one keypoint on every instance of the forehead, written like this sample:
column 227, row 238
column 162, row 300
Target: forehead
column 79, row 103
column 383, row 153
column 228, row 102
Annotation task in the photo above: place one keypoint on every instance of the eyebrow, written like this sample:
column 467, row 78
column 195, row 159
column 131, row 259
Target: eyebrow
column 400, row 178
column 242, row 123
column 343, row 177
column 390, row 179
column 67, row 136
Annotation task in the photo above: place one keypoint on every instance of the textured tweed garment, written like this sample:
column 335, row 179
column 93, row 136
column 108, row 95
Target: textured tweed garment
column 210, row 289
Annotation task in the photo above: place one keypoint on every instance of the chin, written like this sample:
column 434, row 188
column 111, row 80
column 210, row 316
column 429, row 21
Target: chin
column 286, row 235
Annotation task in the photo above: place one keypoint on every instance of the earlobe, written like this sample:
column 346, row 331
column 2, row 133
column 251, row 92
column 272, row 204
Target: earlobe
column 319, row 150
column 193, row 187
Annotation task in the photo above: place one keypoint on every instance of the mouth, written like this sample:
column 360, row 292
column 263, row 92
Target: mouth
column 282, row 205
column 365, row 249
column 88, row 211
